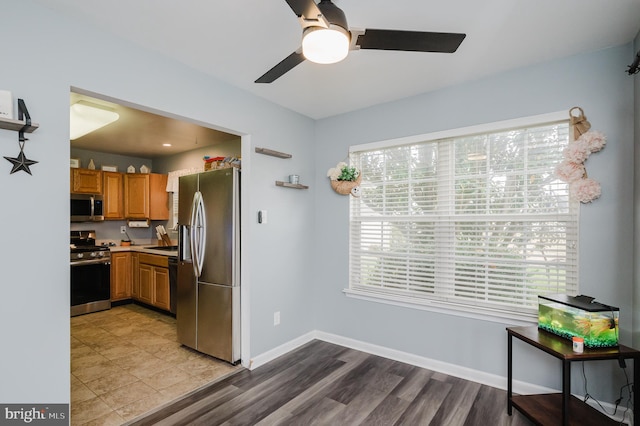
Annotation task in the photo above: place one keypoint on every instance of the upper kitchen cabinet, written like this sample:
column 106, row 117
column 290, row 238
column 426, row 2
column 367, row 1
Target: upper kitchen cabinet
column 145, row 196
column 86, row 181
column 113, row 195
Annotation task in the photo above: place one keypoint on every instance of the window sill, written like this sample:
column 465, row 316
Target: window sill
column 474, row 312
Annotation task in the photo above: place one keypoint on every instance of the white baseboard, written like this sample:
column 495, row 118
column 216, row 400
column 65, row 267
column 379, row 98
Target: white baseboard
column 477, row 376
column 274, row 353
column 493, row 380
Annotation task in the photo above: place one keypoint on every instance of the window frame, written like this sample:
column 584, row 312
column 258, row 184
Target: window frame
column 457, row 308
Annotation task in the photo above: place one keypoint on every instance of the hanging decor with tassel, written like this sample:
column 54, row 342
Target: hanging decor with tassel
column 572, row 169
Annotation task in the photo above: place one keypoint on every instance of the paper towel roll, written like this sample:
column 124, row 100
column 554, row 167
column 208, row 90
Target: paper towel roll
column 138, row 224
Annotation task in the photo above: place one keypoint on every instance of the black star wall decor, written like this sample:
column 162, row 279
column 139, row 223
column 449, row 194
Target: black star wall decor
column 21, row 162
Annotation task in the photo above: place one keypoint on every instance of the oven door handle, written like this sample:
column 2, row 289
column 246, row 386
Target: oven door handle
column 90, row 262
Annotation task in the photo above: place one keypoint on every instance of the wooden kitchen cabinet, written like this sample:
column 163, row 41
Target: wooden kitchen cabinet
column 145, row 290
column 121, row 276
column 145, row 196
column 85, row 181
column 113, row 195
column 161, row 296
column 153, row 276
column 135, row 279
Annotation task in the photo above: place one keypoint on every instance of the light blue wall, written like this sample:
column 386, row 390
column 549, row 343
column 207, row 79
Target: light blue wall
column 298, row 260
column 597, row 83
column 44, row 56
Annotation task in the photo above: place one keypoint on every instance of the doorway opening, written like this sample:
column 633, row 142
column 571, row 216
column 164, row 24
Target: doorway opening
column 143, row 139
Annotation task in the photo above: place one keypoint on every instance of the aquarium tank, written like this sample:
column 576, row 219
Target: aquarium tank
column 569, row 316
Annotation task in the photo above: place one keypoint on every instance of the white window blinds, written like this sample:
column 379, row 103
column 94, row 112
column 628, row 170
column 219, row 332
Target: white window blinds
column 478, row 221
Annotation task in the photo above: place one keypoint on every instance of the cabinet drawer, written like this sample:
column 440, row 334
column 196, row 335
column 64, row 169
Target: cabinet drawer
column 154, row 259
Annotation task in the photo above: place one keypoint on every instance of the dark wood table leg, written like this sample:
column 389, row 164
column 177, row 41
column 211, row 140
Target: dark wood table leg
column 510, row 373
column 566, row 391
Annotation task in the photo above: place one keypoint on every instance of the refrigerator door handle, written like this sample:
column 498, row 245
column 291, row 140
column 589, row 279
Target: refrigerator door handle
column 203, row 241
column 198, row 233
column 192, row 233
column 202, row 232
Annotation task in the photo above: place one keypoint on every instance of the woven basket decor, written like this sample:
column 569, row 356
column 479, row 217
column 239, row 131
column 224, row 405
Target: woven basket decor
column 344, row 187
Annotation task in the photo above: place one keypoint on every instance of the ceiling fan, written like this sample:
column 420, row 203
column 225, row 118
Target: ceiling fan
column 326, row 38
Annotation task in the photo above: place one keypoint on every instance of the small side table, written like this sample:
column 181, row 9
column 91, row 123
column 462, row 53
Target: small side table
column 548, row 409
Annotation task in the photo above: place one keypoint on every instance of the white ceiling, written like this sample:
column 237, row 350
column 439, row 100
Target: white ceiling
column 239, row 40
column 139, row 133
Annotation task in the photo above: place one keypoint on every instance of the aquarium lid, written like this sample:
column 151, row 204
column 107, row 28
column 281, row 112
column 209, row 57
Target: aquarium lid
column 585, row 303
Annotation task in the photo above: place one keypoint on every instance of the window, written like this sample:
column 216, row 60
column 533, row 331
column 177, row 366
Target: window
column 471, row 220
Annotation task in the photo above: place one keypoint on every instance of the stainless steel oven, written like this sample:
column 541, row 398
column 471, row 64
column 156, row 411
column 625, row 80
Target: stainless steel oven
column 90, row 275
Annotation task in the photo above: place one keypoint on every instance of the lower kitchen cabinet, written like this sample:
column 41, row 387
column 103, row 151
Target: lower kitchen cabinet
column 121, row 276
column 153, row 280
column 135, row 281
column 161, row 297
column 141, row 276
column 145, row 277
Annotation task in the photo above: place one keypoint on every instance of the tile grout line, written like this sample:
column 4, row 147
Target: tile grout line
column 148, row 335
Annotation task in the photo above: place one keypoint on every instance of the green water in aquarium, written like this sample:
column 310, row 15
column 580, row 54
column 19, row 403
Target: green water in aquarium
column 597, row 329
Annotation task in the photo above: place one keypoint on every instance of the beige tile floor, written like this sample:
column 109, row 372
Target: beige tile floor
column 127, row 361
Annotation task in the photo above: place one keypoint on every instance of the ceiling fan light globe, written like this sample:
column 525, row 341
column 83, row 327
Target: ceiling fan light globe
column 325, row 45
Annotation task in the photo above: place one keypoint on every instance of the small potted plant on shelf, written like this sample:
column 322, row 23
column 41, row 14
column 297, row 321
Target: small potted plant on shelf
column 344, row 179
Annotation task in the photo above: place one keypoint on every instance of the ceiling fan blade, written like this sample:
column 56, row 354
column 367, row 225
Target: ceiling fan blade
column 414, row 41
column 308, row 13
column 286, row 65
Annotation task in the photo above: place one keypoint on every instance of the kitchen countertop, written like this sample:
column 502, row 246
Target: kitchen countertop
column 143, row 248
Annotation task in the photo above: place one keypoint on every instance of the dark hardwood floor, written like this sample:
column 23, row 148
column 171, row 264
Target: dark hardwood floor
column 324, row 384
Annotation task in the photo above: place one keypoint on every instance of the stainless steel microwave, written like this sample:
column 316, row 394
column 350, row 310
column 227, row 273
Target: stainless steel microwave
column 86, row 208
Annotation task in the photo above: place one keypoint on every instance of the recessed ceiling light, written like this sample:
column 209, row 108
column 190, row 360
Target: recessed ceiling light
column 166, row 144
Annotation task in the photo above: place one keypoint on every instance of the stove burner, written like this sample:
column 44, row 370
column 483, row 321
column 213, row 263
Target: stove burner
column 83, row 247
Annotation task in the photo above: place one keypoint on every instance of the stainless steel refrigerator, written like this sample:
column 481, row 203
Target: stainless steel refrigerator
column 208, row 307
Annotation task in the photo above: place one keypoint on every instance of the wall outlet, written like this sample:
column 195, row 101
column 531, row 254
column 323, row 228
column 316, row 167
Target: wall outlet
column 123, row 229
column 276, row 318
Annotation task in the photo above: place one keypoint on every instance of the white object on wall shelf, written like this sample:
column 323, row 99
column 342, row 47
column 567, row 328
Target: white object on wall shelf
column 272, row 153
column 17, row 125
column 291, row 185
